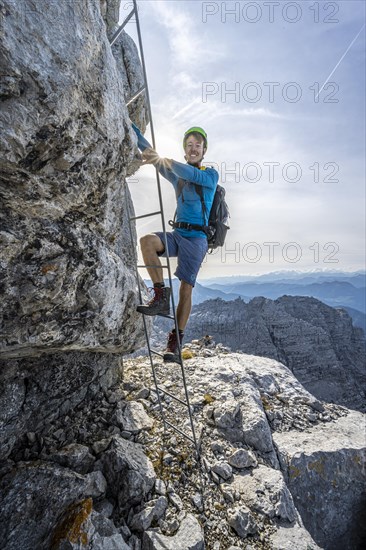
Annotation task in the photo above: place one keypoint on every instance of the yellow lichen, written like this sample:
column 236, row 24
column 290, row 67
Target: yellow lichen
column 47, row 268
column 207, row 398
column 187, row 354
column 357, row 459
column 266, row 404
column 294, row 472
column 71, row 526
column 317, row 466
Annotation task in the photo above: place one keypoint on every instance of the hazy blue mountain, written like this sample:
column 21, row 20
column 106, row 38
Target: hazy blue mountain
column 357, row 278
column 335, row 294
column 202, row 293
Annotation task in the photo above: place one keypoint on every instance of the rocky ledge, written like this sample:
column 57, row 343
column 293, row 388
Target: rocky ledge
column 278, row 469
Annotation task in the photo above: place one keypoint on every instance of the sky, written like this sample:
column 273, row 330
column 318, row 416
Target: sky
column 279, row 88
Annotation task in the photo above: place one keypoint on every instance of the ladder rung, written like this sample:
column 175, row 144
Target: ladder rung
column 180, row 431
column 145, row 216
column 173, row 396
column 121, row 27
column 135, row 96
column 157, row 266
column 166, row 316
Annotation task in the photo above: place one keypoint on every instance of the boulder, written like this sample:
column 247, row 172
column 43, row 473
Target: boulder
column 264, row 491
column 242, row 521
column 188, row 537
column 67, row 261
column 34, row 497
column 129, row 472
column 324, row 469
column 133, row 418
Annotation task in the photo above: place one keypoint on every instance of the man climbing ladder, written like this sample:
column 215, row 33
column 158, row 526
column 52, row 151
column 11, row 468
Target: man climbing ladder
column 188, row 240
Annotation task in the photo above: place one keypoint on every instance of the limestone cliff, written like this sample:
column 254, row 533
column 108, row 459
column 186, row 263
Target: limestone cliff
column 67, row 278
column 68, row 287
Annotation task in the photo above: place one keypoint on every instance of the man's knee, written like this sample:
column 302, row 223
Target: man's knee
column 151, row 242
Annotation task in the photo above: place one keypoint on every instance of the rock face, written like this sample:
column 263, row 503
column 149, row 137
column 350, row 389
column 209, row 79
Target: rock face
column 317, row 467
column 317, row 342
column 67, row 265
column 67, row 277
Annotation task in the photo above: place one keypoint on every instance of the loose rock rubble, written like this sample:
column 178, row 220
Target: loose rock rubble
column 126, row 482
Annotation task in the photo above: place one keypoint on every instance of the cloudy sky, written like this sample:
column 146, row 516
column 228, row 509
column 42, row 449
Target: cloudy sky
column 280, row 89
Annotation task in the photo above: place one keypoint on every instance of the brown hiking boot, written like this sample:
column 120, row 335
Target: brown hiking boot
column 171, row 354
column 160, row 303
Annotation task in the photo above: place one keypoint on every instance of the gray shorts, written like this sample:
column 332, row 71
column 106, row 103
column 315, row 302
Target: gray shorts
column 189, row 251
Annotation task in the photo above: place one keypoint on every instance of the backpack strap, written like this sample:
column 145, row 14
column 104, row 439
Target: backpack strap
column 199, row 192
column 179, row 192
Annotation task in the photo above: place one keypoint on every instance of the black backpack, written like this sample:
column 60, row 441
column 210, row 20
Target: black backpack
column 218, row 219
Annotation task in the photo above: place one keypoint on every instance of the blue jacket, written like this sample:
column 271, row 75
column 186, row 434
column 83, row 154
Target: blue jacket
column 189, row 206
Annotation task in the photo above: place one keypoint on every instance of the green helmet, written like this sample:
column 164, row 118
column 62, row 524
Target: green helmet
column 191, row 131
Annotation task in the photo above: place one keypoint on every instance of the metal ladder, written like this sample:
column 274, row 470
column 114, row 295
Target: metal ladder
column 159, row 390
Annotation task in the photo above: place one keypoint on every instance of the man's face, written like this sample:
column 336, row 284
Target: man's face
column 194, row 150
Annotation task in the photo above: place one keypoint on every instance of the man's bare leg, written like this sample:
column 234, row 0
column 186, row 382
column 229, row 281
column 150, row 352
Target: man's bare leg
column 184, row 304
column 150, row 246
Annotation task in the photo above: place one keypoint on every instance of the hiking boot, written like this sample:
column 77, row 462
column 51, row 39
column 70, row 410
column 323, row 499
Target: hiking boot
column 171, row 354
column 160, row 303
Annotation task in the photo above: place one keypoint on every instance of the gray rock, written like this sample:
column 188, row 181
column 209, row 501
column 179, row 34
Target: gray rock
column 242, row 521
column 47, row 383
column 292, row 536
column 160, row 487
column 227, row 415
column 101, row 445
column 152, row 513
column 105, row 536
column 143, row 393
column 28, row 522
column 217, row 447
column 134, row 543
column 325, row 472
column 265, row 491
column 67, row 259
column 256, row 430
column 104, row 507
column 74, row 456
column 133, row 418
column 97, row 484
column 197, row 501
column 242, row 459
column 129, row 473
column 222, row 469
column 175, row 500
column 188, row 537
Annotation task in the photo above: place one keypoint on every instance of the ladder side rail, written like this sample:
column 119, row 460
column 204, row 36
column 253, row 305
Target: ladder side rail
column 162, row 214
column 146, row 89
column 154, row 146
column 145, row 325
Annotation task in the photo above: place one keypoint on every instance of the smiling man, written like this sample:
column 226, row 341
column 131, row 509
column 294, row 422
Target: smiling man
column 195, row 187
